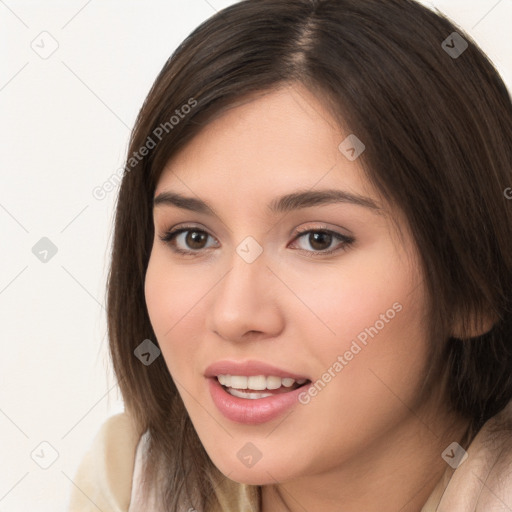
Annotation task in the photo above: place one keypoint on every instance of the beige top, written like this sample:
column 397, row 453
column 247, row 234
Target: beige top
column 108, row 476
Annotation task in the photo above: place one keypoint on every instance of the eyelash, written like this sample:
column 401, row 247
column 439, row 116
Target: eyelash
column 169, row 238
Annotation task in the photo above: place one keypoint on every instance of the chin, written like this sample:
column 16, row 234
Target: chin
column 260, row 473
column 249, row 478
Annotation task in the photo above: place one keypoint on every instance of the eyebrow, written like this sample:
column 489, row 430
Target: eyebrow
column 283, row 204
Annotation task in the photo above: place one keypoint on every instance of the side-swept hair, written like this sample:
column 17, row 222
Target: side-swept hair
column 437, row 129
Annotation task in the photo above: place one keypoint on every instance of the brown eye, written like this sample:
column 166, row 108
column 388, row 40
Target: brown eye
column 188, row 240
column 320, row 240
column 196, row 239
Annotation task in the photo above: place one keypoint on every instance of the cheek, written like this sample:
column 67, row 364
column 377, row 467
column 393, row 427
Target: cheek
column 382, row 364
column 367, row 330
column 168, row 292
column 173, row 299
column 159, row 295
column 362, row 386
column 368, row 297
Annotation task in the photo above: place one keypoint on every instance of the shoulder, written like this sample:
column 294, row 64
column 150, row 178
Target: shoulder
column 104, row 477
column 483, row 482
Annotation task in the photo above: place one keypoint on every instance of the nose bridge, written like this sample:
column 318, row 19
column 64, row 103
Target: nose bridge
column 247, row 272
column 245, row 300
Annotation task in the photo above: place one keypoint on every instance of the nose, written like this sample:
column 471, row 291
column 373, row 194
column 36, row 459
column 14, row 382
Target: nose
column 245, row 303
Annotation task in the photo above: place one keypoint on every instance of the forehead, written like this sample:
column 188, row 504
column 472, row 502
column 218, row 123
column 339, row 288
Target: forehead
column 269, row 143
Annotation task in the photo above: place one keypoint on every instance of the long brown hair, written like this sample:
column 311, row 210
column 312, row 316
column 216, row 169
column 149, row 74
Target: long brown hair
column 437, row 128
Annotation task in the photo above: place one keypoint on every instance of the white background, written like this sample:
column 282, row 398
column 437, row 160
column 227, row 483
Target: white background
column 64, row 129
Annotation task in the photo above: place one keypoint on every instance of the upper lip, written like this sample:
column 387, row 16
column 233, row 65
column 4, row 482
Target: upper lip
column 249, row 368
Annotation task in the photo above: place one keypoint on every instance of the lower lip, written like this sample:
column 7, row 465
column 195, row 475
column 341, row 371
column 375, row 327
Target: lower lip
column 248, row 411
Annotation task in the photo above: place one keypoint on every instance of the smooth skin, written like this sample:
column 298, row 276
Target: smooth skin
column 365, row 442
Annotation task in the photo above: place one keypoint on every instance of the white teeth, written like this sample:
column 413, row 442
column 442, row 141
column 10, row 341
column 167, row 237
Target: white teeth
column 257, row 382
column 250, row 396
column 239, row 382
column 273, row 382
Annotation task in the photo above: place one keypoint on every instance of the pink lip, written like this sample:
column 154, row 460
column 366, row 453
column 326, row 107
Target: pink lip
column 252, row 412
column 245, row 410
column 248, row 368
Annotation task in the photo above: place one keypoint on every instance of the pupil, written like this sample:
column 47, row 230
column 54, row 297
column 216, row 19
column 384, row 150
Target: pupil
column 194, row 239
column 315, row 238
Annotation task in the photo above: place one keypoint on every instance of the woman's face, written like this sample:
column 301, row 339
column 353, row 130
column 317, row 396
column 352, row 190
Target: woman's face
column 341, row 304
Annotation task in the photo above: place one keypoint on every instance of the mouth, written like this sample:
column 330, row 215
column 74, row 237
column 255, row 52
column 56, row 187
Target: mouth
column 253, row 392
column 256, row 387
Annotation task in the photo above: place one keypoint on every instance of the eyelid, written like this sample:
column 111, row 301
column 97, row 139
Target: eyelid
column 345, row 240
column 322, row 227
column 171, row 234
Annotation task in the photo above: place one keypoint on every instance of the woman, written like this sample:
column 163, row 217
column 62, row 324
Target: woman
column 309, row 301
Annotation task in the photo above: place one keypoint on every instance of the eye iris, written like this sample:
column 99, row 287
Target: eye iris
column 195, row 239
column 319, row 237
